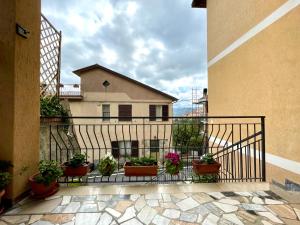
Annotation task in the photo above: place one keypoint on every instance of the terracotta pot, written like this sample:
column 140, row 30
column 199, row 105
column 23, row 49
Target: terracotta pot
column 76, row 171
column 140, row 170
column 51, row 120
column 41, row 190
column 202, row 168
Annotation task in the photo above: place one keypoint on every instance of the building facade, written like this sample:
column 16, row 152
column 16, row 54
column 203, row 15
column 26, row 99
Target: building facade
column 253, row 69
column 133, row 117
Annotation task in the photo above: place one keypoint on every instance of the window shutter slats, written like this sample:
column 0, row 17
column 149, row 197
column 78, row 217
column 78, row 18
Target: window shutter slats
column 165, row 112
column 134, row 148
column 115, row 149
column 152, row 112
column 125, row 112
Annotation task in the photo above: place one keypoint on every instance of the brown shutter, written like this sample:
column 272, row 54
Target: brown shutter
column 134, row 148
column 125, row 112
column 115, row 149
column 152, row 112
column 165, row 112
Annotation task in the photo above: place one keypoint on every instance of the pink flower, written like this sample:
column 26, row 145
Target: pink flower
column 173, row 157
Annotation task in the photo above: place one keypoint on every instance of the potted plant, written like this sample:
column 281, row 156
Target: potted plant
column 50, row 107
column 141, row 167
column 173, row 163
column 77, row 166
column 206, row 165
column 44, row 183
column 5, row 178
column 107, row 165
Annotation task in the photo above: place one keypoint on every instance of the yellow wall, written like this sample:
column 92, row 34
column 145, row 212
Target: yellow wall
column 230, row 19
column 260, row 77
column 19, row 80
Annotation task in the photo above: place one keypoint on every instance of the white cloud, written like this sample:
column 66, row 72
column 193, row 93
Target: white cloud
column 131, row 8
column 109, row 56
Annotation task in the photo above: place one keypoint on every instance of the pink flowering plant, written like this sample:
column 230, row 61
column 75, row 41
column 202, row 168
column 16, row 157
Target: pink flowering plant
column 173, row 163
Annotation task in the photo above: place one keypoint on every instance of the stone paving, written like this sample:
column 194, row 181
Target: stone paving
column 236, row 208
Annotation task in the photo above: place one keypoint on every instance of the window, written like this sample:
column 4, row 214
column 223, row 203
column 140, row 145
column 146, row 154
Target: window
column 105, row 112
column 125, row 149
column 157, row 112
column 125, row 112
column 154, row 145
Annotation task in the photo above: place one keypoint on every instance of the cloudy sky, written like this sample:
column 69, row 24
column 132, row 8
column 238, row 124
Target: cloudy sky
column 161, row 43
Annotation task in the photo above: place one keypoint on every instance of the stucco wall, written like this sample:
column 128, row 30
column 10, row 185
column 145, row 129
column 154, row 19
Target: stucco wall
column 230, row 19
column 260, row 77
column 19, row 81
column 91, row 81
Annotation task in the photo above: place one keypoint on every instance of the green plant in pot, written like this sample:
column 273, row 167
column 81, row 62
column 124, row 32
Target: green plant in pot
column 206, row 165
column 5, row 178
column 173, row 163
column 77, row 166
column 107, row 165
column 50, row 106
column 45, row 183
column 145, row 166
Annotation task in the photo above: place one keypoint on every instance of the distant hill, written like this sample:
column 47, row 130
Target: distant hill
column 180, row 111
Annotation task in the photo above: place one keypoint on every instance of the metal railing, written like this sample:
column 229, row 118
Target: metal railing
column 238, row 143
column 70, row 90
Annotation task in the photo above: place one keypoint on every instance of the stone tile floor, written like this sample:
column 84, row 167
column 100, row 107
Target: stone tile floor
column 210, row 208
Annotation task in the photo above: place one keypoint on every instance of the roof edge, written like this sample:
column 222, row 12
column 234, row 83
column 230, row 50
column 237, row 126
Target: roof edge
column 78, row 72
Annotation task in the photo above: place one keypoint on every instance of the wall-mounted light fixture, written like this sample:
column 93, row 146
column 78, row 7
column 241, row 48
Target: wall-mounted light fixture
column 22, row 31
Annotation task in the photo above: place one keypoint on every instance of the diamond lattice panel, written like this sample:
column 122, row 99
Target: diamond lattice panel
column 49, row 58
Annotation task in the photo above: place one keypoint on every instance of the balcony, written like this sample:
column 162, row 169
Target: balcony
column 70, row 91
column 237, row 143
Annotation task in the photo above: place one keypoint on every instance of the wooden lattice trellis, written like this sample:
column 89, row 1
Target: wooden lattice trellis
column 50, row 54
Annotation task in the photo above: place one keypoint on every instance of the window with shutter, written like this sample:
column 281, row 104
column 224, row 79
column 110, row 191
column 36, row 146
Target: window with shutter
column 152, row 112
column 105, row 112
column 154, row 145
column 115, row 149
column 165, row 112
column 125, row 112
column 134, row 148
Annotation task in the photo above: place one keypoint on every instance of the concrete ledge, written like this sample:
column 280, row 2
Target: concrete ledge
column 163, row 188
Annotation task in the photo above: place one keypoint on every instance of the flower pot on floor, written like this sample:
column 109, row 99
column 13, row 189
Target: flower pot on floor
column 40, row 190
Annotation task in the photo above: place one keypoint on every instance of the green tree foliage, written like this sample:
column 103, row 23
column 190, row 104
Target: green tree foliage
column 188, row 135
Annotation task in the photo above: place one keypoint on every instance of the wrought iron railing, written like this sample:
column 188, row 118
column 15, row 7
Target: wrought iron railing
column 70, row 90
column 238, row 143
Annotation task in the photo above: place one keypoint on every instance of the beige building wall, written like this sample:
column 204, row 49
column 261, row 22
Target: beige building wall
column 19, row 86
column 258, row 75
column 119, row 92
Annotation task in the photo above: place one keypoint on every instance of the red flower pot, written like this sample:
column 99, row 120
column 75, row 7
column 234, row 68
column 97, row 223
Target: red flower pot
column 40, row 190
column 202, row 168
column 140, row 170
column 75, row 171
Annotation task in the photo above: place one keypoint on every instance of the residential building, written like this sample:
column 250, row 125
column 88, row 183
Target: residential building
column 253, row 69
column 124, row 105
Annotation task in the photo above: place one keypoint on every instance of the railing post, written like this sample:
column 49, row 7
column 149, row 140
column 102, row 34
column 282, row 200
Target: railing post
column 263, row 148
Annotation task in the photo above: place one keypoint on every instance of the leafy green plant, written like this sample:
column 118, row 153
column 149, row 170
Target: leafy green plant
column 50, row 106
column 207, row 178
column 207, row 158
column 77, row 160
column 49, row 172
column 144, row 161
column 5, row 178
column 107, row 165
column 188, row 136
